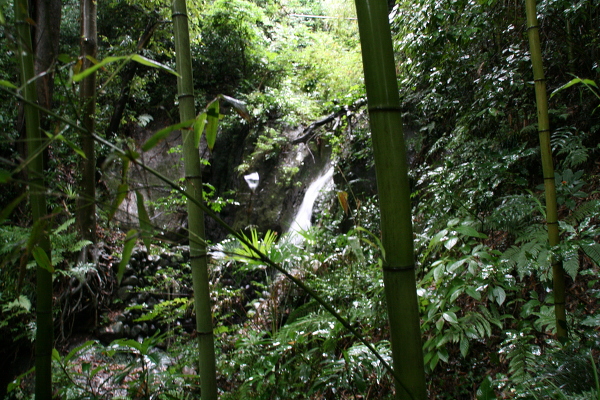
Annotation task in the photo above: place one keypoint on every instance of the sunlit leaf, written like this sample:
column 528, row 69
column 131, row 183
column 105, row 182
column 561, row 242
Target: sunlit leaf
column 42, row 259
column 151, row 63
column 164, row 133
column 7, row 84
column 238, row 105
column 212, row 113
column 499, row 295
column 199, row 128
column 130, row 240
column 450, row 317
column 88, row 71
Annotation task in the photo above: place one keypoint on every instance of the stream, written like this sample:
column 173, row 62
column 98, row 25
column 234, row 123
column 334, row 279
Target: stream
column 302, row 220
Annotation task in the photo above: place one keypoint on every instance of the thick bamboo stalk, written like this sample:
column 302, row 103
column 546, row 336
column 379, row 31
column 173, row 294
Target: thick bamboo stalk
column 44, row 332
column 558, row 275
column 193, row 175
column 394, row 197
column 86, row 211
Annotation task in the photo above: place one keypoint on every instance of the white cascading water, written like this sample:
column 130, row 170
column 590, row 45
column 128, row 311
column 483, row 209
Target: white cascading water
column 303, row 216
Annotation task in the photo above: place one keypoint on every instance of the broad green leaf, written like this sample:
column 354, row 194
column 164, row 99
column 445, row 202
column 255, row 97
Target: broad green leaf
column 130, row 240
column 55, row 355
column 469, row 231
column 9, row 208
column 499, row 294
column 473, row 293
column 450, row 317
column 88, row 71
column 151, row 63
column 199, row 129
column 122, row 190
column 464, row 346
column 439, row 324
column 212, row 113
column 145, row 225
column 164, row 133
column 42, row 260
column 450, row 243
column 7, row 84
column 486, row 390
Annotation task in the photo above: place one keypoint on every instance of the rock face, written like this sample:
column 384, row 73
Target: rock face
column 285, row 169
column 148, row 280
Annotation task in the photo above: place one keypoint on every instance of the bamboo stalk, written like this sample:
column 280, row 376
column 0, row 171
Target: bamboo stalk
column 35, row 171
column 86, row 210
column 193, row 176
column 558, row 274
column 394, row 197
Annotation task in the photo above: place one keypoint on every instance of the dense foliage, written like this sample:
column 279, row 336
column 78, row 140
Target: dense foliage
column 484, row 286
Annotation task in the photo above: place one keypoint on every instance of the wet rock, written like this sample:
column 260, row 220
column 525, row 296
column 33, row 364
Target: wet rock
column 125, row 293
column 135, row 330
column 131, row 281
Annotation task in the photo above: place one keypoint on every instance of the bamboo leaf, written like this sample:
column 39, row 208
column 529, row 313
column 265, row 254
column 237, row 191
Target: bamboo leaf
column 574, row 82
column 199, row 129
column 212, row 113
column 88, row 71
column 8, row 209
column 238, row 105
column 122, row 190
column 42, row 260
column 7, row 84
column 145, row 225
column 69, row 143
column 343, row 199
column 164, row 133
column 130, row 240
column 151, row 63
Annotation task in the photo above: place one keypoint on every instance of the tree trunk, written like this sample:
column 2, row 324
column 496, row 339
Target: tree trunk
column 86, row 211
column 558, row 275
column 47, row 16
column 193, row 176
column 394, row 197
column 35, row 171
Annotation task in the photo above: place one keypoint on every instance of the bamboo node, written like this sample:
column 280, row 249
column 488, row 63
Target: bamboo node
column 399, row 268
column 198, row 256
column 383, row 108
column 200, row 177
column 533, row 27
column 179, row 14
column 181, row 96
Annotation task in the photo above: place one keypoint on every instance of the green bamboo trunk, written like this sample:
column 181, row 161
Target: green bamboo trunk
column 86, row 211
column 394, row 197
column 44, row 332
column 558, row 275
column 193, row 171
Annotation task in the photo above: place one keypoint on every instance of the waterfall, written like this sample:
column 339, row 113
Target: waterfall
column 302, row 219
